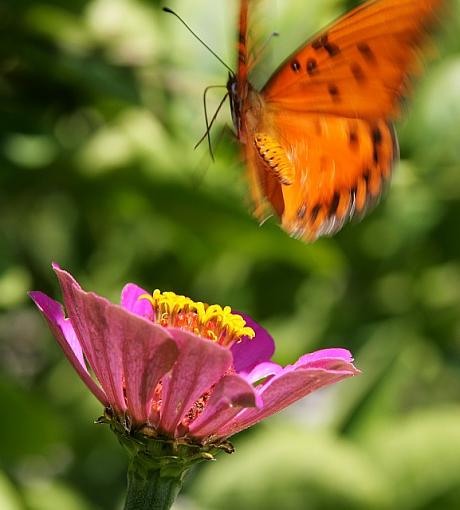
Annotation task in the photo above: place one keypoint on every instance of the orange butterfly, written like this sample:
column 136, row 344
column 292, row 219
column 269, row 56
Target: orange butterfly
column 318, row 139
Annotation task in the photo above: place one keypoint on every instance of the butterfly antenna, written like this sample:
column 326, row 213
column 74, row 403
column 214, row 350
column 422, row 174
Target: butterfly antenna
column 209, row 125
column 170, row 11
column 261, row 51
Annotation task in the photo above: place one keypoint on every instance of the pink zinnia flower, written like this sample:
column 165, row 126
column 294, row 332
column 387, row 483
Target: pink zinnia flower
column 181, row 369
column 172, row 369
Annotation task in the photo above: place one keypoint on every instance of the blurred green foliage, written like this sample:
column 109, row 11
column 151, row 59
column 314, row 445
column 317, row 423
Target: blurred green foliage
column 100, row 106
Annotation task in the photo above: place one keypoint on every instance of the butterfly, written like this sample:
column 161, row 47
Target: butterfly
column 318, row 139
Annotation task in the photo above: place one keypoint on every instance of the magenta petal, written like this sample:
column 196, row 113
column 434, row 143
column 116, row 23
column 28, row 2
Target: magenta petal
column 148, row 352
column 286, row 388
column 65, row 335
column 200, row 364
column 325, row 354
column 88, row 314
column 130, row 301
column 231, row 394
column 250, row 352
column 262, row 371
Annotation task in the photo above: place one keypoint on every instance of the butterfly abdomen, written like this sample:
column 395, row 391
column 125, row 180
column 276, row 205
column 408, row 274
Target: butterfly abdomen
column 275, row 158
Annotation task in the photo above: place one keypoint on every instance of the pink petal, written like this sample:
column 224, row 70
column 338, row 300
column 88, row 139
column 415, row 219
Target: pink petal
column 148, row 352
column 200, row 364
column 250, row 352
column 286, row 388
column 262, row 371
column 88, row 314
column 325, row 354
column 65, row 335
column 231, row 394
column 130, row 301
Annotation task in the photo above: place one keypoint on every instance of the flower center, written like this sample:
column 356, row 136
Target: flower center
column 212, row 322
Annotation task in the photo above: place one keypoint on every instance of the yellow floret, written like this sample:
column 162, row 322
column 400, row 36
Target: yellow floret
column 209, row 321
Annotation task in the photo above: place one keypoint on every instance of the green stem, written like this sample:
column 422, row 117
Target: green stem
column 157, row 466
column 151, row 489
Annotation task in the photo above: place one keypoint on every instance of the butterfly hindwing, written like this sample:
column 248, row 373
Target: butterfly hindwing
column 338, row 168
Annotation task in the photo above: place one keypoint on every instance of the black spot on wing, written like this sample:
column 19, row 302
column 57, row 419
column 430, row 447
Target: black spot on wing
column 357, row 72
column 312, row 66
column 332, row 49
column 375, row 154
column 334, row 204
column 353, row 139
column 295, row 66
column 334, row 92
column 366, row 177
column 319, row 42
column 301, row 212
column 323, row 43
column 376, row 135
column 366, row 52
column 314, row 212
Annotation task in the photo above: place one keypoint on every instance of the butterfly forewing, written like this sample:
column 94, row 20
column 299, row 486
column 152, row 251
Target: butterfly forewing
column 359, row 66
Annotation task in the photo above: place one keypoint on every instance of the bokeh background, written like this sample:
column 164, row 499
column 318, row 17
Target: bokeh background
column 101, row 105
